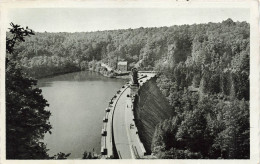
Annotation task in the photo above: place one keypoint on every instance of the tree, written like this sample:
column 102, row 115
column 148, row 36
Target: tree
column 26, row 119
column 61, row 155
column 18, row 33
column 233, row 141
column 89, row 155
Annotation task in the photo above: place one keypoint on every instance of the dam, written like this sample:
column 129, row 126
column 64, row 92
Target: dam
column 120, row 135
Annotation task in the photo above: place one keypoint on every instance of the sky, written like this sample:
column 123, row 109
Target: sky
column 98, row 19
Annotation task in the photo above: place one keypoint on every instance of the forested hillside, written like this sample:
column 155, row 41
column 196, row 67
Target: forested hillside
column 206, row 80
column 73, row 51
column 203, row 72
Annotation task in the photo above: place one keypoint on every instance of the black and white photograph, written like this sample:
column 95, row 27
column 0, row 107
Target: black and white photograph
column 132, row 82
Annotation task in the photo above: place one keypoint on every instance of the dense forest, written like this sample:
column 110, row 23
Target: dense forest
column 203, row 71
column 206, row 80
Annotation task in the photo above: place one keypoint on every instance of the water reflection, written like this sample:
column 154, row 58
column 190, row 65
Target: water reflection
column 75, row 76
column 77, row 103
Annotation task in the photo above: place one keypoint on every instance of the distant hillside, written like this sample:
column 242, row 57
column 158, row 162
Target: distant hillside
column 51, row 53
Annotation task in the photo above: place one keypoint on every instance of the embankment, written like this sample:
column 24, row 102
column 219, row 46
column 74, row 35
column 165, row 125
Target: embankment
column 151, row 108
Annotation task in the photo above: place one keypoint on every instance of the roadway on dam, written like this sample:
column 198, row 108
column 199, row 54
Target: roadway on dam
column 121, row 134
column 126, row 138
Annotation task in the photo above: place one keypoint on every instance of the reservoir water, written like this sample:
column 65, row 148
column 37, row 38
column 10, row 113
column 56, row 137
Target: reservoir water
column 77, row 103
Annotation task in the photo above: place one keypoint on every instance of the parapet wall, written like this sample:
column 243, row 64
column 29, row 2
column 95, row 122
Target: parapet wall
column 107, row 146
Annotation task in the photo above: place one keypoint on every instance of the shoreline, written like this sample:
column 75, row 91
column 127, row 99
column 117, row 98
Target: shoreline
column 55, row 74
column 127, row 77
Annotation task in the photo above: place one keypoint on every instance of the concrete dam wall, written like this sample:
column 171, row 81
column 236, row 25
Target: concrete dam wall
column 151, row 108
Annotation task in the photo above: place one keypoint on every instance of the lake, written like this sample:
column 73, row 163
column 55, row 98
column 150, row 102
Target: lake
column 77, row 103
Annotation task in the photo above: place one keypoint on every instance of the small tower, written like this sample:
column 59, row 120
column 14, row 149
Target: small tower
column 134, row 76
column 134, row 82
